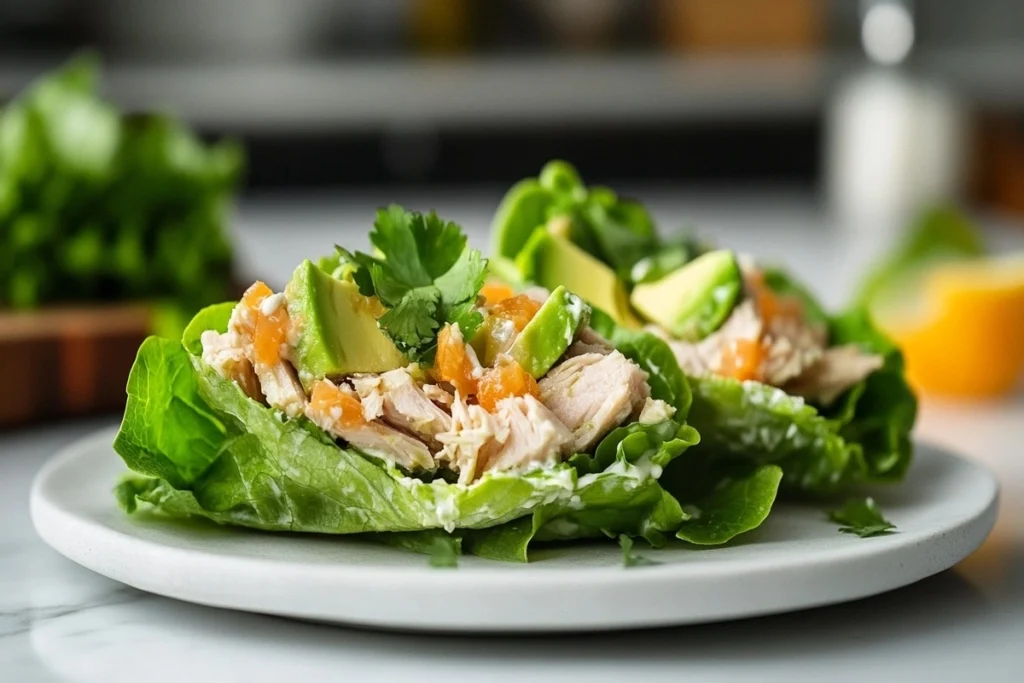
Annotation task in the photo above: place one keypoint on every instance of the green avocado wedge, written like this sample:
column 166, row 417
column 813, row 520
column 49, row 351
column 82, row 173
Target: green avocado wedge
column 695, row 300
column 552, row 261
column 338, row 332
column 546, row 337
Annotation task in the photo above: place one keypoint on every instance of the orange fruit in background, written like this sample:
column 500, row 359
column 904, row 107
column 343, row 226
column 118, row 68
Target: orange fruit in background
column 965, row 334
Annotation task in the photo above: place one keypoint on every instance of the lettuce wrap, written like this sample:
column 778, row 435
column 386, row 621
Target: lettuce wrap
column 824, row 438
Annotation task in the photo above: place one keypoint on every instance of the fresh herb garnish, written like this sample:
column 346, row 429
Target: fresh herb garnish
column 861, row 516
column 426, row 276
column 96, row 205
column 631, row 559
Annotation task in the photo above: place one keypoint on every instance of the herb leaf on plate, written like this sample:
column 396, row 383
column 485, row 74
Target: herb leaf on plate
column 861, row 516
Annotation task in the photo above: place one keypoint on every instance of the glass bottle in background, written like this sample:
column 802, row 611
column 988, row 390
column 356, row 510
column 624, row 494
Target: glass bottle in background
column 895, row 142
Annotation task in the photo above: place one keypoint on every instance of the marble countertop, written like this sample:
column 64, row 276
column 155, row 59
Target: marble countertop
column 60, row 622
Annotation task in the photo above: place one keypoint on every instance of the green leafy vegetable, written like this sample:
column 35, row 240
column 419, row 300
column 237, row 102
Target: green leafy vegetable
column 618, row 231
column 861, row 516
column 939, row 235
column 95, row 205
column 733, row 507
column 443, row 553
column 429, row 277
column 629, row 558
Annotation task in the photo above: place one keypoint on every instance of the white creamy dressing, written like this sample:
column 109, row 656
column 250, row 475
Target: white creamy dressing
column 272, row 303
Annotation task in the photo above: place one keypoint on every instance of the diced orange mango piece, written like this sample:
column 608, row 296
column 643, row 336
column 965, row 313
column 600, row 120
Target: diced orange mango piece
column 519, row 309
column 493, row 292
column 742, row 360
column 506, row 379
column 328, row 399
column 452, row 363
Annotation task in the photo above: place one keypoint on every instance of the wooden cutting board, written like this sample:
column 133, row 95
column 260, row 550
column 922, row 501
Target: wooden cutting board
column 62, row 362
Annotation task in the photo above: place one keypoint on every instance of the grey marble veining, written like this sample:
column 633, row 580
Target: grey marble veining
column 60, row 622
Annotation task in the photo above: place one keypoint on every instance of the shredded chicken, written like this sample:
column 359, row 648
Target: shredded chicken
column 438, row 395
column 229, row 361
column 593, row 393
column 796, row 354
column 377, row 439
column 589, row 341
column 838, row 369
column 528, row 434
column 407, row 407
column 472, row 431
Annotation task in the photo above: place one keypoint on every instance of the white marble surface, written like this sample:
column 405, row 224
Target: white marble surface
column 59, row 622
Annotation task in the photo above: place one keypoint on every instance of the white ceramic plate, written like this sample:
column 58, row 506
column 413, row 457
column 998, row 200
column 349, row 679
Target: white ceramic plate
column 797, row 559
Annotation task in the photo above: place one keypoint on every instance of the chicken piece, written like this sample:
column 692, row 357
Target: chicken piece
column 340, row 415
column 792, row 346
column 369, row 391
column 593, row 393
column 838, row 369
column 655, row 411
column 589, row 341
column 282, row 388
column 407, row 407
column 222, row 354
column 528, row 435
column 784, row 349
column 473, row 432
column 438, row 395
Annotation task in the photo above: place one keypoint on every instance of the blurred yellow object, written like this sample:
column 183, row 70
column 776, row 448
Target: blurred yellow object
column 966, row 335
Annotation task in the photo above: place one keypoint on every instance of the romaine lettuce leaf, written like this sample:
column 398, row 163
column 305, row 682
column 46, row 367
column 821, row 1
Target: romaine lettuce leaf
column 735, row 506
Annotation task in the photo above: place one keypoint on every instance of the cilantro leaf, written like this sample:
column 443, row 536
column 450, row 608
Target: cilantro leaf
column 413, row 319
column 631, row 559
column 425, row 274
column 861, row 516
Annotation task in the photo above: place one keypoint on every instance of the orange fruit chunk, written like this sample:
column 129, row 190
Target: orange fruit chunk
column 967, row 337
column 452, row 363
column 255, row 295
column 741, row 359
column 771, row 305
column 328, row 399
column 519, row 309
column 506, row 379
column 493, row 292
column 271, row 333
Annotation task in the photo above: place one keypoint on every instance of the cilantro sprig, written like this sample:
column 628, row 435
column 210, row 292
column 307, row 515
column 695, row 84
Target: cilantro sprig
column 424, row 273
column 861, row 516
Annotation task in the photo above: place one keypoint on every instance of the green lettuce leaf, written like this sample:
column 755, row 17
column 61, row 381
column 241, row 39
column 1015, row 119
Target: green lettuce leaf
column 939, row 235
column 733, row 507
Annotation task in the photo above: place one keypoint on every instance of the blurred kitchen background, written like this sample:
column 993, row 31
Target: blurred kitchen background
column 804, row 131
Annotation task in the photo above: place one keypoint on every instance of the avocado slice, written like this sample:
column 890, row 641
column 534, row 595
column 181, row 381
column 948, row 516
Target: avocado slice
column 337, row 327
column 551, row 261
column 552, row 329
column 693, row 301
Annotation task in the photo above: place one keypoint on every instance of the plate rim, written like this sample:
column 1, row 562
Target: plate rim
column 50, row 516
